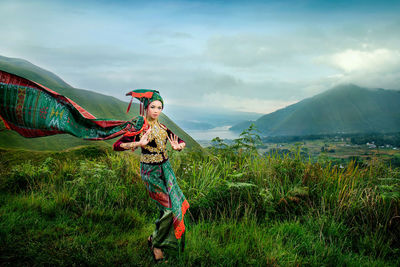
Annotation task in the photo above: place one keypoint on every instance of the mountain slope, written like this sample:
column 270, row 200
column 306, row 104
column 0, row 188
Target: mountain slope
column 342, row 109
column 30, row 71
column 101, row 106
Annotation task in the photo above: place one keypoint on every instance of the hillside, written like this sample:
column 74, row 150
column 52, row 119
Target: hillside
column 101, row 106
column 342, row 109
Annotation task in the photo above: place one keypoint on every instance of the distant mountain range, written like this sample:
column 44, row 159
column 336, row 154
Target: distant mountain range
column 101, row 106
column 201, row 118
column 342, row 109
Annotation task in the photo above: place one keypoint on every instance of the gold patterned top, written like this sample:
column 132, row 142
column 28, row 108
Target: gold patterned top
column 155, row 152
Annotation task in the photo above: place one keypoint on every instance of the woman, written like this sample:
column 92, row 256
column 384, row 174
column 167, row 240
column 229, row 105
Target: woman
column 158, row 176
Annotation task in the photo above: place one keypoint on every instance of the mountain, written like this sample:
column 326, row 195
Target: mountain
column 342, row 109
column 101, row 106
column 200, row 118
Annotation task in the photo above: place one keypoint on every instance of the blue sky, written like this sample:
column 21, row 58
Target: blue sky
column 254, row 56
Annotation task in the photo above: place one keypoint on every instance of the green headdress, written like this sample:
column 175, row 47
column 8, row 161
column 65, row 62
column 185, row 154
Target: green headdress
column 145, row 96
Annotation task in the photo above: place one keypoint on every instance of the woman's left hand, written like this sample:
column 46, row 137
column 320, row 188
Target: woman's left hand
column 173, row 139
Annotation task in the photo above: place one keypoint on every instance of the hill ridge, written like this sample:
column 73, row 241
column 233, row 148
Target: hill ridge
column 345, row 108
column 21, row 66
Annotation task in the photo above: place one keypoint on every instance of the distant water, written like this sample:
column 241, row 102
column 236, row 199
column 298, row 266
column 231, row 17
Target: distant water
column 221, row 132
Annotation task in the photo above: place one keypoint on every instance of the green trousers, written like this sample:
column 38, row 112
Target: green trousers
column 164, row 235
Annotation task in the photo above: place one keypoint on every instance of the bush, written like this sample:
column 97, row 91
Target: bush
column 28, row 176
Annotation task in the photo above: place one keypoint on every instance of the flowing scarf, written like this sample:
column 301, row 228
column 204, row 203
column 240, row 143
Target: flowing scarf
column 34, row 110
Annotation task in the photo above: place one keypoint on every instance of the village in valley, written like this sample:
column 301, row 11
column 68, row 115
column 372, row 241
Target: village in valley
column 337, row 149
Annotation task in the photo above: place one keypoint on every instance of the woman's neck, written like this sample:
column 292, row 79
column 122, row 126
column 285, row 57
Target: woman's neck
column 151, row 120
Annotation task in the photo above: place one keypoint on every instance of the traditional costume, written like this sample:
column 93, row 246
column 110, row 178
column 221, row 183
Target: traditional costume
column 34, row 110
column 159, row 178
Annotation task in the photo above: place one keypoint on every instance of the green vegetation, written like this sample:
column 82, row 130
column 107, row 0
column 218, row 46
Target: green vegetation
column 88, row 206
column 392, row 140
column 342, row 109
column 339, row 149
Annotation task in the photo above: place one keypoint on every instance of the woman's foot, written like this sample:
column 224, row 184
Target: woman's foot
column 158, row 254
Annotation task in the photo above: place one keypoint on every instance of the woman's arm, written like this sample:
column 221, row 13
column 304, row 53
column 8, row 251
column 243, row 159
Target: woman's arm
column 129, row 142
column 121, row 143
column 131, row 145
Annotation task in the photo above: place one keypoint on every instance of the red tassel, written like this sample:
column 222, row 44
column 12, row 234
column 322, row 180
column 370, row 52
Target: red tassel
column 129, row 106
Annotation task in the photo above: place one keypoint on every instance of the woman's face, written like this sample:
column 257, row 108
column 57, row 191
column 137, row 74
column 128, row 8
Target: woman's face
column 154, row 109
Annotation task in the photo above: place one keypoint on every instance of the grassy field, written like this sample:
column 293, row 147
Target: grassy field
column 88, row 206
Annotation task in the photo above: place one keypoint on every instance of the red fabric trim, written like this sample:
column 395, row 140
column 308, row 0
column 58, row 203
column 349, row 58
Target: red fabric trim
column 179, row 225
column 6, row 77
column 106, row 124
column 31, row 133
column 45, row 88
column 5, row 123
column 81, row 110
column 141, row 95
column 10, row 78
column 145, row 126
column 161, row 198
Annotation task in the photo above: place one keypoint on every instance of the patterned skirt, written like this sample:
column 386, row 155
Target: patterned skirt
column 163, row 188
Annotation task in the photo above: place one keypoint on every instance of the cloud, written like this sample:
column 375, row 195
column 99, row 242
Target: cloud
column 240, row 50
column 377, row 68
column 243, row 103
column 277, row 48
column 252, row 57
column 249, row 50
column 377, row 60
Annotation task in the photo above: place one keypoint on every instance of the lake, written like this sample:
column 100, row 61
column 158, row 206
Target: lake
column 207, row 135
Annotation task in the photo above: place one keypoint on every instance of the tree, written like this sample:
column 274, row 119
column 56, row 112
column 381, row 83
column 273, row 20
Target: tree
column 248, row 140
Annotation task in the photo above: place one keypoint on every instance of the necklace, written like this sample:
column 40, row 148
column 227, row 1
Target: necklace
column 159, row 135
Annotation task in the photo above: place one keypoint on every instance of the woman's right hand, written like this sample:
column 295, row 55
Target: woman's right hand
column 145, row 138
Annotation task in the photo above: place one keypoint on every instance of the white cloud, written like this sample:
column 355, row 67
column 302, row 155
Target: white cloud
column 375, row 68
column 378, row 60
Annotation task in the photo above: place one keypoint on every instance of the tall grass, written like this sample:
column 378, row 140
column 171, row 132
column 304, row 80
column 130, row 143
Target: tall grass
column 246, row 209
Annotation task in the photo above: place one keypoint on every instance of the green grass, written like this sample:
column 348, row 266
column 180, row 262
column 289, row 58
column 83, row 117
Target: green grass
column 88, row 206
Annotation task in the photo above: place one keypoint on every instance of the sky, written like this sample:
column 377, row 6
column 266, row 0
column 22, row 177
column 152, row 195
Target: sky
column 249, row 56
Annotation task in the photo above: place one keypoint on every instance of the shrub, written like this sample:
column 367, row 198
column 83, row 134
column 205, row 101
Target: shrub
column 27, row 176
